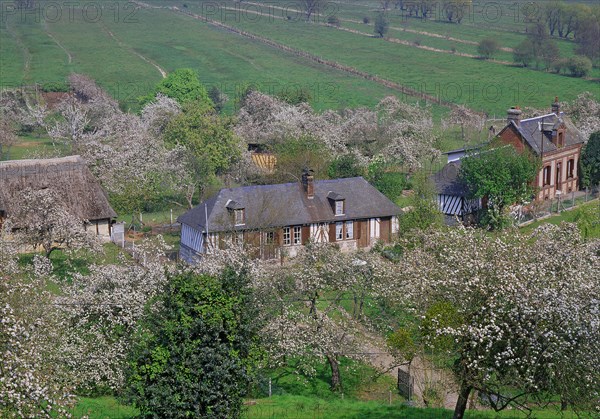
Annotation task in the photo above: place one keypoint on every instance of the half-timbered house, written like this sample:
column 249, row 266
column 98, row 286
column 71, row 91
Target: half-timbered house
column 277, row 220
column 553, row 138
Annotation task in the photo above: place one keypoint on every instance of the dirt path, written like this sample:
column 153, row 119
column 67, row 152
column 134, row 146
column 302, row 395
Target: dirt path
column 26, row 53
column 162, row 72
column 395, row 28
column 328, row 63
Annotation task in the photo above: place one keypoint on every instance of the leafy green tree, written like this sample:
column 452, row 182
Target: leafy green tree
column 424, row 212
column 184, row 86
column 196, row 348
column 503, row 176
column 488, row 47
column 388, row 182
column 208, row 138
column 346, row 165
column 590, row 161
column 524, row 53
column 381, row 25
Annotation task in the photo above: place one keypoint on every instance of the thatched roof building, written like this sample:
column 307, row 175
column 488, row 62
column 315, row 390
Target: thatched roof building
column 68, row 176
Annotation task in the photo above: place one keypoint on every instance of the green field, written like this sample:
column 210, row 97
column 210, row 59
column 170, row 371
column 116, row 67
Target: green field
column 126, row 49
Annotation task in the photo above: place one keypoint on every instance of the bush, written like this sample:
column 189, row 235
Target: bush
column 524, row 53
column 366, row 20
column 333, row 21
column 381, row 25
column 388, row 182
column 580, row 66
column 194, row 349
column 488, row 47
column 344, row 166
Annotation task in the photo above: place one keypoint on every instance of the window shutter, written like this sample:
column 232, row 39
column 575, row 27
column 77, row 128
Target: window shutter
column 357, row 229
column 305, row 234
column 332, row 232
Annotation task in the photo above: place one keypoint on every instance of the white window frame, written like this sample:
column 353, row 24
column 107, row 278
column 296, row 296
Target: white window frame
column 287, row 236
column 239, row 217
column 339, row 230
column 339, row 207
column 349, row 230
column 297, row 237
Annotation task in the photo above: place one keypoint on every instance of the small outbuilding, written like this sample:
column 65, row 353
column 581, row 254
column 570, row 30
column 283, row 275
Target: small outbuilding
column 72, row 181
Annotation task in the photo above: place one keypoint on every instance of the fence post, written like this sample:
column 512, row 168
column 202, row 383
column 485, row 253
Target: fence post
column 270, row 388
column 390, row 398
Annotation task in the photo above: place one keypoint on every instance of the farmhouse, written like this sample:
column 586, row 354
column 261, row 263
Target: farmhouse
column 277, row 220
column 554, row 139
column 70, row 178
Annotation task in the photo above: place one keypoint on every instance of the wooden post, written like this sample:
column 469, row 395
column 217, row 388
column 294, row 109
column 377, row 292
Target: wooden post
column 390, row 397
column 270, row 388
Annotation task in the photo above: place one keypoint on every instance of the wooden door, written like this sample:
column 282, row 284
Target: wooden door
column 362, row 227
column 385, row 229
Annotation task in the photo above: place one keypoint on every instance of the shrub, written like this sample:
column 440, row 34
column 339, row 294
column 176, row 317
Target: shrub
column 488, row 47
column 366, row 20
column 333, row 21
column 194, row 349
column 580, row 66
column 344, row 166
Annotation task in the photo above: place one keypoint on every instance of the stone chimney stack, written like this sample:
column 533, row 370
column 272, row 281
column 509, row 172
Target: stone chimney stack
column 514, row 114
column 556, row 106
column 308, row 182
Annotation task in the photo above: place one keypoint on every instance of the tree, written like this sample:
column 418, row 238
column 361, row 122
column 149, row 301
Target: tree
column 502, row 176
column 218, row 98
column 194, row 351
column 590, row 161
column 345, row 166
column 42, row 220
column 423, row 210
column 524, row 53
column 310, row 7
column 585, row 111
column 184, row 86
column 455, row 10
column 208, row 138
column 307, row 321
column 488, row 47
column 381, row 25
column 525, row 310
column 579, row 66
column 8, row 137
column 32, row 383
column 466, row 119
column 587, row 37
column 101, row 311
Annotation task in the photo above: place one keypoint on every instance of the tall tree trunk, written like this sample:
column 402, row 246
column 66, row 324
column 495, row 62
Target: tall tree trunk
column 461, row 403
column 336, row 378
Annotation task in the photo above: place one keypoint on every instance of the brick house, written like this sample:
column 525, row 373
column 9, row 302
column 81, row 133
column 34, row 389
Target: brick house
column 554, row 139
column 277, row 220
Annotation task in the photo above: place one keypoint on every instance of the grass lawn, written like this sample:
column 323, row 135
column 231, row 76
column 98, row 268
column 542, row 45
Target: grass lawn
column 586, row 216
column 312, row 407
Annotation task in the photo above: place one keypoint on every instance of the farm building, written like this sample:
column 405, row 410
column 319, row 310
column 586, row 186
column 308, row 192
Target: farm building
column 452, row 193
column 277, row 220
column 554, row 139
column 70, row 178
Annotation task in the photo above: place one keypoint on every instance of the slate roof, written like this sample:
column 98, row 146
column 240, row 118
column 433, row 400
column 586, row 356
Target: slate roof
column 287, row 204
column 71, row 178
column 529, row 130
column 447, row 181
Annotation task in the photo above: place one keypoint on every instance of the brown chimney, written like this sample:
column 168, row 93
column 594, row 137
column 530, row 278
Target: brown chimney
column 308, row 183
column 514, row 114
column 556, row 106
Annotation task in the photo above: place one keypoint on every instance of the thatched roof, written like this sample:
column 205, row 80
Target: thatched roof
column 68, row 176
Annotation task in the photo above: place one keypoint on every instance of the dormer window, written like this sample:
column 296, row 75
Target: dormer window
column 338, row 203
column 237, row 211
column 238, row 216
column 339, row 207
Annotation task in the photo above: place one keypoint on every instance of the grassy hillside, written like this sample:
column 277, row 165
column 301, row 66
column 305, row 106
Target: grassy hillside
column 126, row 50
